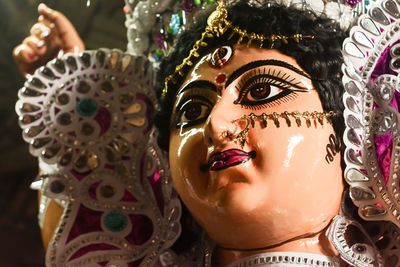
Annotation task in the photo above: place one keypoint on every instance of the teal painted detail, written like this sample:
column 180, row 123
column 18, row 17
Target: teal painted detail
column 115, row 221
column 87, row 107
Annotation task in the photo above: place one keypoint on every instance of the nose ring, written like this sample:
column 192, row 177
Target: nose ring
column 227, row 135
column 241, row 138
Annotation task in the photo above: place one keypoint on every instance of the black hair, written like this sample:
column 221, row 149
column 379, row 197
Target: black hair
column 320, row 57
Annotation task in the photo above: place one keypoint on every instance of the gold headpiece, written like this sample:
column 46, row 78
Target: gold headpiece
column 217, row 25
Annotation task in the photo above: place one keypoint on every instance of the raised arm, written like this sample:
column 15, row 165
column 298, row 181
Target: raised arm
column 52, row 34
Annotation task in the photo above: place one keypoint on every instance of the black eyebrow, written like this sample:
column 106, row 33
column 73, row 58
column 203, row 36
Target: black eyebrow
column 198, row 84
column 258, row 63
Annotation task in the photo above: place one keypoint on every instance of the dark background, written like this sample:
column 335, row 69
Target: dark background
column 100, row 25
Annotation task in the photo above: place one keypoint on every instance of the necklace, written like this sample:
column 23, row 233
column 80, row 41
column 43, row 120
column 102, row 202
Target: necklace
column 286, row 259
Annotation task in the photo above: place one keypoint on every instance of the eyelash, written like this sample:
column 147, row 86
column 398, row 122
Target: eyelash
column 264, row 77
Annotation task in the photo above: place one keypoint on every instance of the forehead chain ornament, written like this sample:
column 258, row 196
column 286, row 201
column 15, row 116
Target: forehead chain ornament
column 315, row 116
column 217, row 26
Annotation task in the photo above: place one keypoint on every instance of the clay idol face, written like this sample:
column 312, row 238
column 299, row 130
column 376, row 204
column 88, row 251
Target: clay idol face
column 277, row 181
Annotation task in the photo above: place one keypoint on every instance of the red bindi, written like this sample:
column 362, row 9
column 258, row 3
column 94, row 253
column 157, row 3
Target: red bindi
column 220, row 78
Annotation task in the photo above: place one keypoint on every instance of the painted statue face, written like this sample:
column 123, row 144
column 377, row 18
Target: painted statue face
column 279, row 184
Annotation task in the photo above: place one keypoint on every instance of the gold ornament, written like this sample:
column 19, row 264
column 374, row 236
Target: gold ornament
column 315, row 116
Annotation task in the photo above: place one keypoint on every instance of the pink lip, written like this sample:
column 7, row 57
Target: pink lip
column 227, row 158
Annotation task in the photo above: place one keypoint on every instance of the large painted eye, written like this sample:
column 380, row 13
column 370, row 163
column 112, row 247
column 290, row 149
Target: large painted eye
column 221, row 56
column 260, row 92
column 263, row 89
column 192, row 112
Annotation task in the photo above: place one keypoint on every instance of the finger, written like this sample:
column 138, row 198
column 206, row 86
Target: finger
column 70, row 39
column 26, row 59
column 48, row 24
column 45, row 21
column 25, row 54
column 40, row 30
column 38, row 46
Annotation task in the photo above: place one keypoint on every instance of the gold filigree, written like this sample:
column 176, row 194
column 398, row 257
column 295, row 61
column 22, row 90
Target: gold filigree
column 217, row 25
column 309, row 117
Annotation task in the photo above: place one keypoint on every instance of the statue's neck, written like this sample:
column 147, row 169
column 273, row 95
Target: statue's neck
column 315, row 244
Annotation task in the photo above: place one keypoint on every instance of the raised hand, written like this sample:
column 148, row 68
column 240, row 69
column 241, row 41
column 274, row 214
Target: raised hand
column 52, row 34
